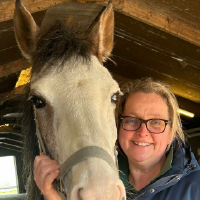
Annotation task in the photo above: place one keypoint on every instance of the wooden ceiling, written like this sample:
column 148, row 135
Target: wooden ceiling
column 157, row 38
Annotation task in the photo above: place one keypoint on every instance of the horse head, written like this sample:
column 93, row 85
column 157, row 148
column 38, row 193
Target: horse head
column 74, row 100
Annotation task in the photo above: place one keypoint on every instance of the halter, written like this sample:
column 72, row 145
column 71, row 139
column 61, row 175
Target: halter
column 79, row 156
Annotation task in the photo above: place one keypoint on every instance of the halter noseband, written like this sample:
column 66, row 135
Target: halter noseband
column 79, row 156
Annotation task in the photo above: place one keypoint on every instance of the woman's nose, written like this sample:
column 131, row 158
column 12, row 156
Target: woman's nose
column 142, row 131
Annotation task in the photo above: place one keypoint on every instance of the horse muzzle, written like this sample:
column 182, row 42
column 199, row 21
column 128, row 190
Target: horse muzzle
column 114, row 189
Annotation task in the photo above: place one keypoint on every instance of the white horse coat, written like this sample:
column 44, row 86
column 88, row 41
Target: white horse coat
column 74, row 101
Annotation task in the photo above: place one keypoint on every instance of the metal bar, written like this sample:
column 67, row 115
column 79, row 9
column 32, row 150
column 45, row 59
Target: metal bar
column 192, row 130
column 12, row 115
column 4, row 138
column 11, row 145
column 193, row 135
column 11, row 133
column 9, row 148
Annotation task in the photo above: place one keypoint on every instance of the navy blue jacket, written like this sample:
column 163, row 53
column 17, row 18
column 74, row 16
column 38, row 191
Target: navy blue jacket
column 180, row 182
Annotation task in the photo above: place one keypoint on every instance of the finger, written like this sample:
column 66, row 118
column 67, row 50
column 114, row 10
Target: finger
column 39, row 158
column 48, row 182
column 41, row 161
column 43, row 170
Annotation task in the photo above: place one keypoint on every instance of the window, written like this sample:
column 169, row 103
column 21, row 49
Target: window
column 8, row 174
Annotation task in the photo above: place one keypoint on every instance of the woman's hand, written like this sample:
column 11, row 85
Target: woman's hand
column 45, row 172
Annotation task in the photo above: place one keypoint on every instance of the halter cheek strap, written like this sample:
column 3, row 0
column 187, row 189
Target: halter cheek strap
column 84, row 154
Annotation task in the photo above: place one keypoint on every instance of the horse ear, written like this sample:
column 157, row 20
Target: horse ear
column 25, row 29
column 102, row 32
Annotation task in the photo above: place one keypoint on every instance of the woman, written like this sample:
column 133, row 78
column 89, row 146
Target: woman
column 154, row 161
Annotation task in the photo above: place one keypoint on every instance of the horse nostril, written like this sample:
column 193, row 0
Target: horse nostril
column 83, row 194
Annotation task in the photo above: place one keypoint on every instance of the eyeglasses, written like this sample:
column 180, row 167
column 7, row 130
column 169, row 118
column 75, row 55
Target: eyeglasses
column 153, row 125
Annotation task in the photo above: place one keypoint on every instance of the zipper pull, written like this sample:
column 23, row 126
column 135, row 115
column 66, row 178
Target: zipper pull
column 190, row 167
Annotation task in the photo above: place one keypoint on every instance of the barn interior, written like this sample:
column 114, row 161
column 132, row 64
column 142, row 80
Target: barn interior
column 158, row 39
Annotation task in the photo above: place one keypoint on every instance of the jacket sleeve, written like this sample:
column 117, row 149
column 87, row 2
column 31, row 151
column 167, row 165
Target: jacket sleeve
column 41, row 198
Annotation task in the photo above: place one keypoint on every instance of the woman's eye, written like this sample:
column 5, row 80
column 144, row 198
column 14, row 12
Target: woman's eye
column 156, row 123
column 132, row 121
column 115, row 97
column 38, row 102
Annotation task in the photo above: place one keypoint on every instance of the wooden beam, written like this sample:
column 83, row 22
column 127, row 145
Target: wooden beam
column 13, row 67
column 183, row 102
column 7, row 7
column 147, row 13
column 151, row 15
column 16, row 92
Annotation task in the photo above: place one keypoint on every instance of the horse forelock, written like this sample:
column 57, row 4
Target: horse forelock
column 58, row 44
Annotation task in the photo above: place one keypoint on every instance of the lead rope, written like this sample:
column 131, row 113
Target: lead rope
column 59, row 187
column 39, row 136
column 40, row 140
column 43, row 149
column 61, row 191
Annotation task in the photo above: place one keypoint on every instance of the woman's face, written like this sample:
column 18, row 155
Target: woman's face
column 141, row 146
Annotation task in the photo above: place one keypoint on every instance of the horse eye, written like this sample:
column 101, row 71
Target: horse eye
column 38, row 102
column 115, row 97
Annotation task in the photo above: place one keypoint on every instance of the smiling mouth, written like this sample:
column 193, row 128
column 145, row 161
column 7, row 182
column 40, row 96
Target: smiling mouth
column 142, row 144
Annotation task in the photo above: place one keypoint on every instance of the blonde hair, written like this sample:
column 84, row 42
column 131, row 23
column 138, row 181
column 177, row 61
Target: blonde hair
column 148, row 85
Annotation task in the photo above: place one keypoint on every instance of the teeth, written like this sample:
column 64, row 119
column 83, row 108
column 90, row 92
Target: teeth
column 142, row 143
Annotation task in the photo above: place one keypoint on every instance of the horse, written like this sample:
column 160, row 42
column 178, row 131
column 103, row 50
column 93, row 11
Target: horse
column 74, row 99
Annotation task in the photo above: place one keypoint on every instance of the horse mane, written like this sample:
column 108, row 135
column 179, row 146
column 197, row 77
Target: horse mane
column 30, row 148
column 59, row 43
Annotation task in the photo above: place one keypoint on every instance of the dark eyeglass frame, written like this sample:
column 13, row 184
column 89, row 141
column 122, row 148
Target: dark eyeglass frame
column 145, row 122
